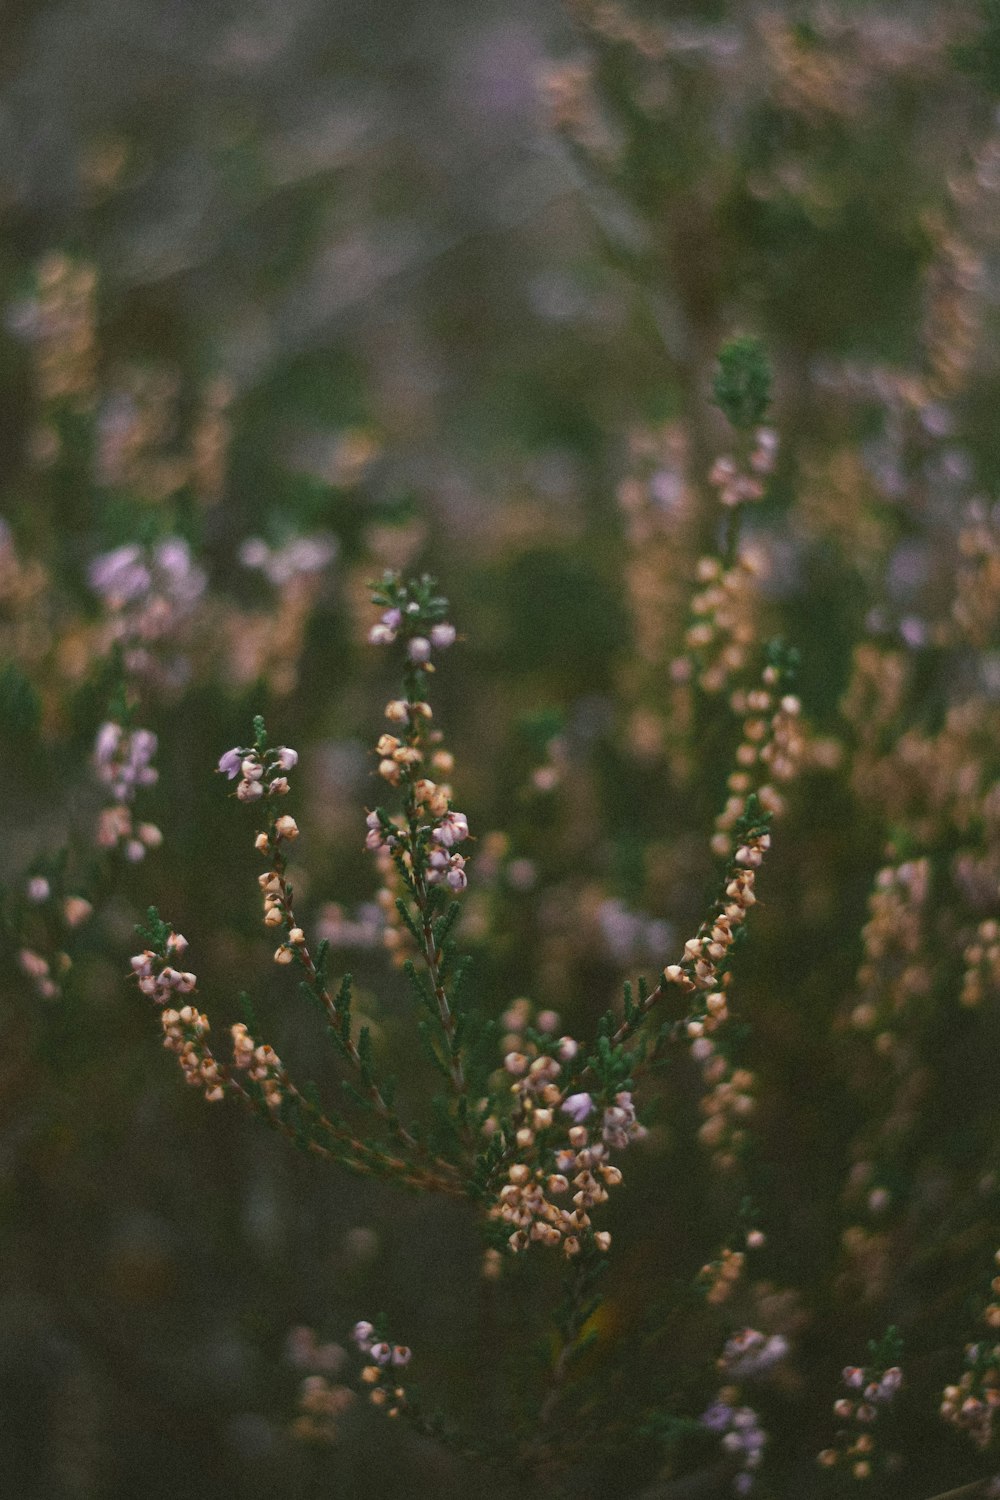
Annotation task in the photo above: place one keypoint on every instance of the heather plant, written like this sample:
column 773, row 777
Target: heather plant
column 625, row 1165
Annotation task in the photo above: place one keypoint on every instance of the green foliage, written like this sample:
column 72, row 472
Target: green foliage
column 20, row 705
column 742, row 384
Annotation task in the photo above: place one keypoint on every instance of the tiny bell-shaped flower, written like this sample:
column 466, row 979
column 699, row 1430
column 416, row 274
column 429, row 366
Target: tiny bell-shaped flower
column 578, row 1107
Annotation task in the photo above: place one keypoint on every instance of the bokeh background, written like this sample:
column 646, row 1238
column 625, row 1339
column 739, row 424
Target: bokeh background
column 325, row 288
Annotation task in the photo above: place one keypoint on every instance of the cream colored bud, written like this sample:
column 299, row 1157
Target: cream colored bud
column 286, row 827
column 296, row 936
column 283, row 955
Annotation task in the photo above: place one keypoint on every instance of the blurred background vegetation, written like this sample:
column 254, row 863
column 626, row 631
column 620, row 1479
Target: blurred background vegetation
column 421, row 286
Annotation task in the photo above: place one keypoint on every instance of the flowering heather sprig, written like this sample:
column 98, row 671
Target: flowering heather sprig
column 422, row 841
column 740, row 1435
column 982, row 965
column 750, row 1352
column 123, row 763
column 257, row 1075
column 147, row 593
column 321, row 1401
column 771, row 745
column 870, row 1390
column 723, row 630
column 532, row 1141
column 972, row 1403
column 262, row 773
column 50, row 910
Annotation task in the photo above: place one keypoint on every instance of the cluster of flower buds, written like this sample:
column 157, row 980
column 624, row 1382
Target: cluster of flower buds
column 40, row 971
column 772, row 747
column 321, row 1403
column 58, row 321
column 736, row 483
column 184, row 1031
column 445, row 865
column 260, row 1063
column 419, row 648
column 277, row 911
column 147, row 591
column 575, row 1158
column 300, row 556
column 719, row 1278
column 400, row 759
column 972, row 1403
column 727, row 1104
column 262, row 774
column 619, row 1124
column 702, row 972
column 894, row 971
column 869, row 1393
column 122, row 761
column 156, row 974
column 740, row 1433
column 700, row 968
column 525, row 1201
column 750, row 1352
column 381, row 1373
column 982, row 965
column 719, row 641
